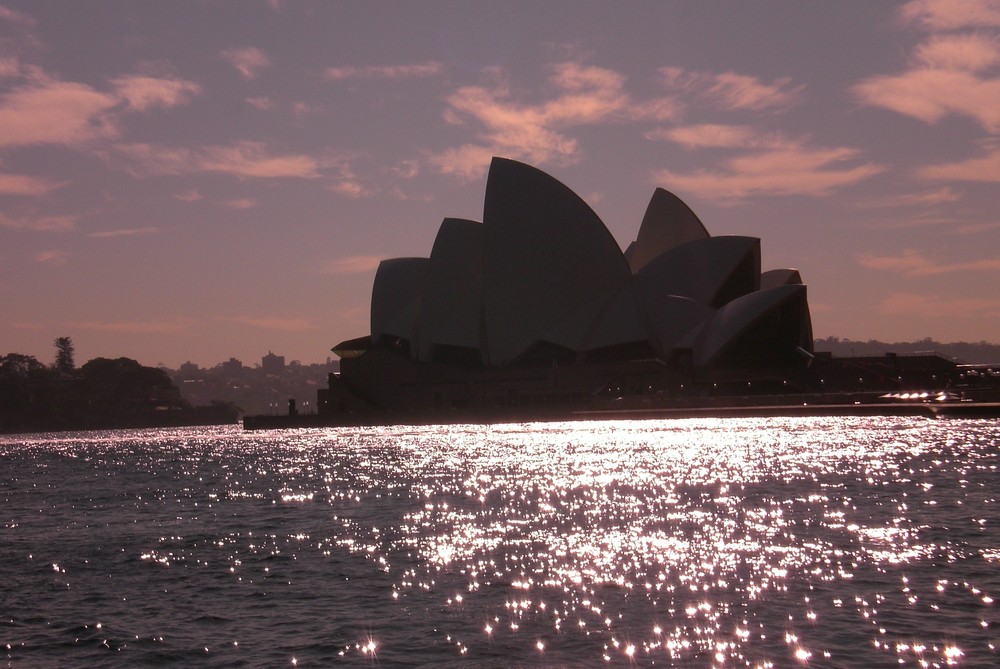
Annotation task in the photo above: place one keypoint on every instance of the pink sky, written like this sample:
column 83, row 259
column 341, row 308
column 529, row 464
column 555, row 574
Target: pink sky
column 194, row 181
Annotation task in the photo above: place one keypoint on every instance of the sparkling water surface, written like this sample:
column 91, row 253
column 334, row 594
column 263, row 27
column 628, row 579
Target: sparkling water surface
column 819, row 542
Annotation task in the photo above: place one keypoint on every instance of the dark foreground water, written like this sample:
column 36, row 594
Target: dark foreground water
column 820, row 542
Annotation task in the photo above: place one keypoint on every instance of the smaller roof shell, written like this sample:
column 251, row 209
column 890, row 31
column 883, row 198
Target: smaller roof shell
column 667, row 223
column 711, row 271
column 451, row 311
column 396, row 297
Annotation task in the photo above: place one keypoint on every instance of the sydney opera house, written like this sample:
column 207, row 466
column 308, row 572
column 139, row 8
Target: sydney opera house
column 537, row 310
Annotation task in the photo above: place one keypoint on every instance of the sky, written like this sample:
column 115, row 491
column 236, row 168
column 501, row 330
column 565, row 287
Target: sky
column 195, row 181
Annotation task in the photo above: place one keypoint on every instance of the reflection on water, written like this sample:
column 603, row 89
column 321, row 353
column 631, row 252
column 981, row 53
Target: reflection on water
column 734, row 542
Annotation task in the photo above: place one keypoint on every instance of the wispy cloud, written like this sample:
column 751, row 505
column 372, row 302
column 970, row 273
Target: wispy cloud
column 774, row 165
column 952, row 14
column 43, row 110
column 125, row 232
column 189, row 196
column 38, row 223
column 418, row 70
column 9, row 67
column 733, row 91
column 912, row 263
column 240, row 203
column 22, row 184
column 352, row 265
column 142, row 92
column 717, row 136
column 935, row 306
column 919, row 199
column 347, row 187
column 407, row 169
column 261, row 102
column 581, row 95
column 983, row 168
column 53, row 257
column 242, row 159
column 950, row 73
column 13, row 16
column 930, row 94
column 56, row 112
column 247, row 61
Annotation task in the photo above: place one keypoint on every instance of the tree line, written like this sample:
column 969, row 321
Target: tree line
column 104, row 393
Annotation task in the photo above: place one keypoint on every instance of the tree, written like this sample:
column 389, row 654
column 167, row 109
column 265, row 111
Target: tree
column 22, row 386
column 64, row 356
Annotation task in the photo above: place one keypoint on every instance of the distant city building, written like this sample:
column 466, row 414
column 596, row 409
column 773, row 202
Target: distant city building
column 233, row 366
column 537, row 306
column 189, row 369
column 273, row 364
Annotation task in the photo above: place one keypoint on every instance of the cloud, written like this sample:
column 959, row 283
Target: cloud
column 303, row 109
column 733, row 91
column 952, row 14
column 935, row 306
column 347, row 187
column 43, row 110
column 38, row 223
column 143, row 92
column 282, row 324
column 242, row 159
column 420, row 70
column 240, row 203
column 189, row 196
column 21, row 184
column 984, row 168
column 467, row 161
column 717, row 136
column 56, row 112
column 52, row 257
column 16, row 17
column 924, row 198
column 9, row 67
column 972, row 52
column 582, row 95
column 949, row 74
column 352, row 265
column 407, row 169
column 247, row 60
column 261, row 102
column 929, row 94
column 125, row 232
column 913, row 263
column 788, row 168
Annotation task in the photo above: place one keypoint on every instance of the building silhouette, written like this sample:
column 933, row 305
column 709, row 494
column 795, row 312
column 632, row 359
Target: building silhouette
column 538, row 309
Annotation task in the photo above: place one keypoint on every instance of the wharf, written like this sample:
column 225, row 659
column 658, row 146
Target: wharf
column 804, row 409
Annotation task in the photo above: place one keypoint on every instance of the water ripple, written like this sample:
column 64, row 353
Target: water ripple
column 732, row 543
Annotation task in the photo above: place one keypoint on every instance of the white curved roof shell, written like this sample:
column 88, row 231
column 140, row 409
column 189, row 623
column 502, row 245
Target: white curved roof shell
column 547, row 256
column 396, row 296
column 732, row 321
column 779, row 277
column 667, row 223
column 542, row 275
column 711, row 271
column 673, row 318
column 451, row 312
column 607, row 320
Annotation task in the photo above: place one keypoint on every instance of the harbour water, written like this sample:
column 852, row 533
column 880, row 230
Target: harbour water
column 819, row 542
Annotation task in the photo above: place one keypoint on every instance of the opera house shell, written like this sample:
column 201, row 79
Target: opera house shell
column 538, row 308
